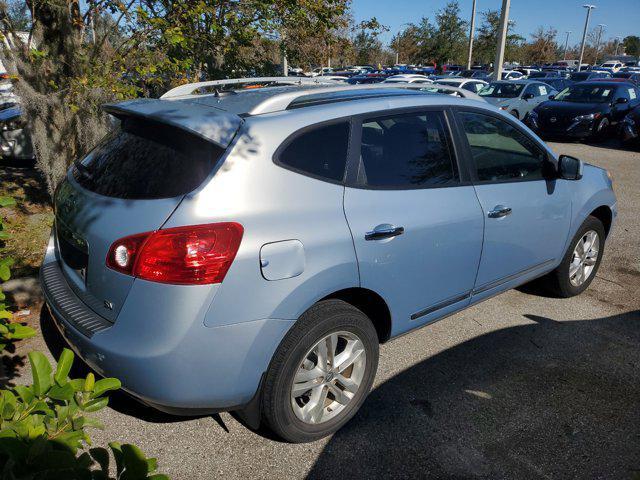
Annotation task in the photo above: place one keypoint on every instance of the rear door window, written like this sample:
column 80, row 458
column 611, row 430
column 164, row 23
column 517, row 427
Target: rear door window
column 407, row 151
column 147, row 160
column 319, row 152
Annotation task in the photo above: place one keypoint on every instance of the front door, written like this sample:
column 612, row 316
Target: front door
column 526, row 213
column 416, row 226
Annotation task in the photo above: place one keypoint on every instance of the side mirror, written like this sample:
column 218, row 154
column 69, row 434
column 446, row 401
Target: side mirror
column 570, row 168
column 622, row 100
column 551, row 97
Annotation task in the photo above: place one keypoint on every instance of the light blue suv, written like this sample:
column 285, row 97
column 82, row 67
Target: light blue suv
column 235, row 249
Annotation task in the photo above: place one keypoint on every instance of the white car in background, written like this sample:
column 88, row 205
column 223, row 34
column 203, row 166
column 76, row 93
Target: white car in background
column 433, row 88
column 512, row 75
column 612, row 65
column 335, row 78
column 526, row 71
column 471, row 84
column 320, row 71
column 408, row 78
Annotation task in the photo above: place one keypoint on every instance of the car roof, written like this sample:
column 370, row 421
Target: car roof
column 217, row 116
column 520, row 81
column 459, row 80
column 607, row 82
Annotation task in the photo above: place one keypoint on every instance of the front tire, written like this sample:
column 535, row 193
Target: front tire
column 321, row 373
column 581, row 261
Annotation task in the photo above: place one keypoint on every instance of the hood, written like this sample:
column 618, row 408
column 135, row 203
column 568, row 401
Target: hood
column 497, row 100
column 571, row 108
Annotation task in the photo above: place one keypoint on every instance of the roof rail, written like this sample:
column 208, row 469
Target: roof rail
column 191, row 88
column 284, row 100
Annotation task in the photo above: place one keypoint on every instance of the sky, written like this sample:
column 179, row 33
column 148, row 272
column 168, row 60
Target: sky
column 621, row 17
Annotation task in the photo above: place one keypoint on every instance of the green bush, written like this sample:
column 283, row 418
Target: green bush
column 43, row 428
column 8, row 331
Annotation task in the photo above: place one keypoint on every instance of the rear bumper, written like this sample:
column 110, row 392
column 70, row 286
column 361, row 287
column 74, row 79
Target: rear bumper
column 171, row 362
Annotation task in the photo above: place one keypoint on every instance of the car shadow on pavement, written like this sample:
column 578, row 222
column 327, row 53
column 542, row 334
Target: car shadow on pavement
column 547, row 399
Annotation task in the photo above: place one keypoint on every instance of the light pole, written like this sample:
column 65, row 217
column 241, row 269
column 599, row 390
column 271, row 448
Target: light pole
column 398, row 42
column 502, row 38
column 566, row 45
column 598, row 39
column 471, row 33
column 584, row 34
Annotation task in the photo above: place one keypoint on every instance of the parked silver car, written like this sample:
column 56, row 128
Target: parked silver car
column 518, row 97
column 249, row 249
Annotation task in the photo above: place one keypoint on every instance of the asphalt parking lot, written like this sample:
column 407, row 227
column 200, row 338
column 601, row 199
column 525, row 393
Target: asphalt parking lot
column 521, row 386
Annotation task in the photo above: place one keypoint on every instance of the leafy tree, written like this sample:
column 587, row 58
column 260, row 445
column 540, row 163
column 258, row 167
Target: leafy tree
column 543, row 48
column 485, row 46
column 366, row 42
column 450, row 38
column 632, row 45
column 99, row 51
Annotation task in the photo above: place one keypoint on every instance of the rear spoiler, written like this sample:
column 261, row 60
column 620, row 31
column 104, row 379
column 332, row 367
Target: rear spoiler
column 209, row 123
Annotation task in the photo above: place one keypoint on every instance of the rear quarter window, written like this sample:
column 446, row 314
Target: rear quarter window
column 147, row 160
column 318, row 151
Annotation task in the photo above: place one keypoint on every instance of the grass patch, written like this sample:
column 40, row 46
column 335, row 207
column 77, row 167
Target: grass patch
column 29, row 222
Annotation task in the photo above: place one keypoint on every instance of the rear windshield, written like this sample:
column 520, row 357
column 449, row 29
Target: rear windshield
column 146, row 160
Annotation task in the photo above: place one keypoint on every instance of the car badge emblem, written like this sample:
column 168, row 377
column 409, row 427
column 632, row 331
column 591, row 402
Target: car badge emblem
column 552, row 119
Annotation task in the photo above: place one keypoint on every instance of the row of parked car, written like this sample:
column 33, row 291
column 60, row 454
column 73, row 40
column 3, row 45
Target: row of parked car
column 592, row 104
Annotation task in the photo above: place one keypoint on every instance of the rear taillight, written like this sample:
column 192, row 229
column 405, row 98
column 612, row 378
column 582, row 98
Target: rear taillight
column 193, row 255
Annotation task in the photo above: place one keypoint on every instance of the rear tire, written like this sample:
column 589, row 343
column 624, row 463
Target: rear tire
column 298, row 379
column 577, row 270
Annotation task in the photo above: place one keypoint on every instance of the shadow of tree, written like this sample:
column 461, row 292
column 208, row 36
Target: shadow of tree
column 10, row 366
column 543, row 400
column 24, row 182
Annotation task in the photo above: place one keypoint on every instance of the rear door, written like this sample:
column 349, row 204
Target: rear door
column 129, row 184
column 526, row 213
column 415, row 219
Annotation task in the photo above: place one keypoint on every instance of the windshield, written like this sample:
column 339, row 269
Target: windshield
column 501, row 90
column 586, row 94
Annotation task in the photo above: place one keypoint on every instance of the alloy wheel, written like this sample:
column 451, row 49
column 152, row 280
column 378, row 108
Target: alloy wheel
column 328, row 377
column 584, row 259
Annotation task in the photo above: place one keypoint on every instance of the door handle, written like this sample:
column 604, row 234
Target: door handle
column 384, row 231
column 500, row 211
